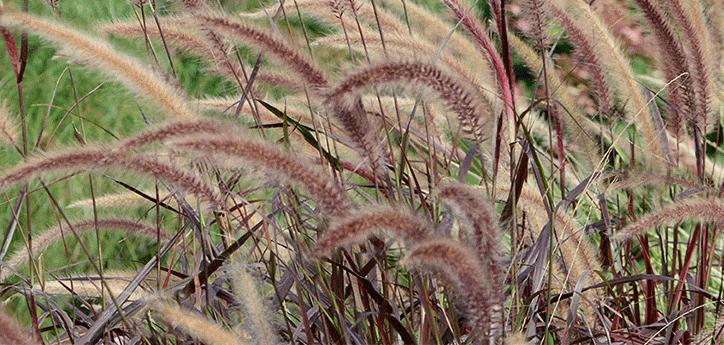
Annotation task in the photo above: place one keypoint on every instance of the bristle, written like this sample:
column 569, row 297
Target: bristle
column 692, row 21
column 80, row 160
column 252, row 303
column 405, row 46
column 652, row 179
column 89, row 287
column 171, row 130
column 457, row 95
column 353, row 118
column 172, row 174
column 128, row 199
column 478, row 33
column 675, row 65
column 585, row 47
column 8, row 129
column 280, row 80
column 481, row 221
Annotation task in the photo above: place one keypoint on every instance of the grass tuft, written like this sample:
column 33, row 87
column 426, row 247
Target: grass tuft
column 378, row 172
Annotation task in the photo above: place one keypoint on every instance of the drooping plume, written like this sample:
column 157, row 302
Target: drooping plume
column 357, row 227
column 468, row 277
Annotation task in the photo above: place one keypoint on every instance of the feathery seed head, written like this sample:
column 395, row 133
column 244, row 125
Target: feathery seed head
column 79, row 160
column 480, row 221
column 351, row 114
column 357, row 227
column 121, row 200
column 172, row 174
column 8, row 130
column 251, row 301
column 195, row 324
column 40, row 243
column 171, row 130
column 289, row 55
column 457, row 94
column 91, row 158
column 101, row 55
column 467, row 275
column 709, row 209
column 256, row 155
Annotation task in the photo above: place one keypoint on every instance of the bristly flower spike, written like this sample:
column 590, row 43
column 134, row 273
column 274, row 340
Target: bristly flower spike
column 708, row 209
column 42, row 242
column 101, row 55
column 481, row 222
column 467, row 275
column 99, row 158
column 237, row 151
column 357, row 227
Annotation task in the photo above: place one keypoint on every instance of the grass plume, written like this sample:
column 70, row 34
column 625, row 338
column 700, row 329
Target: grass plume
column 462, row 268
column 100, row 158
column 251, row 300
column 169, row 131
column 708, row 209
column 585, row 44
column 114, row 282
column 675, row 65
column 195, row 325
column 477, row 31
column 256, row 155
column 76, row 229
column 456, row 94
column 356, row 228
column 288, row 55
column 101, row 55
column 10, row 332
column 481, row 223
column 693, row 25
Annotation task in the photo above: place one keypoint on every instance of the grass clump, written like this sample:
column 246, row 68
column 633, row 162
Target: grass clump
column 361, row 172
